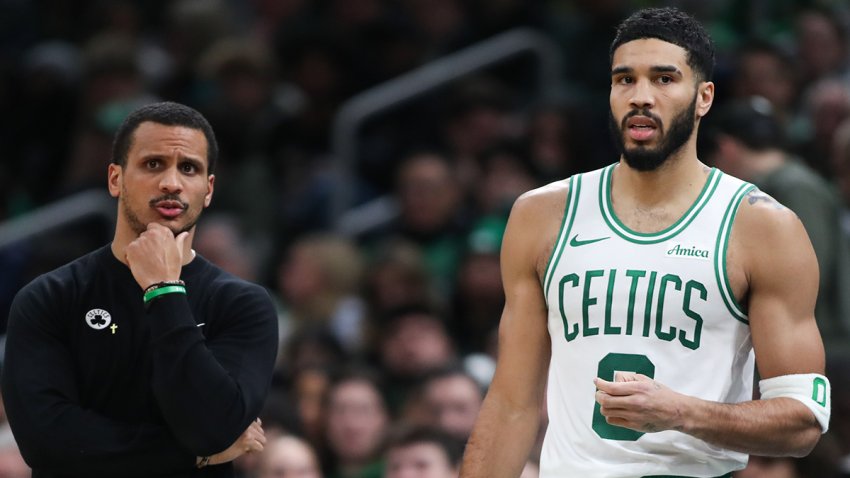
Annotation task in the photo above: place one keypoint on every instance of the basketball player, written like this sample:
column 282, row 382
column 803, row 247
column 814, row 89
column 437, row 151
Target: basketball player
column 643, row 289
column 142, row 359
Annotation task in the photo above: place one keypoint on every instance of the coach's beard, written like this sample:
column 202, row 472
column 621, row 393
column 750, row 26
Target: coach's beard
column 642, row 158
column 138, row 226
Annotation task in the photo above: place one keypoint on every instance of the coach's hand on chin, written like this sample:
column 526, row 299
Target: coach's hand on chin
column 156, row 255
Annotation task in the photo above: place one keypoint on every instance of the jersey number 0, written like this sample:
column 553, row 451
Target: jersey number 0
column 612, row 363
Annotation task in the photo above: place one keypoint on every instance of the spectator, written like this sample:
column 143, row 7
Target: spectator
column 452, row 400
column 12, row 464
column 414, row 342
column 479, row 296
column 222, row 241
column 763, row 69
column 309, row 386
column 747, row 138
column 356, row 421
column 504, row 175
column 240, row 78
column 288, row 456
column 311, row 346
column 430, row 200
column 840, row 161
column 397, row 276
column 557, row 147
column 479, row 116
column 422, row 452
column 826, row 105
column 319, row 283
column 822, row 44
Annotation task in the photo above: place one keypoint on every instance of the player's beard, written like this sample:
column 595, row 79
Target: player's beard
column 138, row 226
column 643, row 158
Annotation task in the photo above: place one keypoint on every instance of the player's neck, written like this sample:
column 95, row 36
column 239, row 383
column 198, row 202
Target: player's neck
column 682, row 175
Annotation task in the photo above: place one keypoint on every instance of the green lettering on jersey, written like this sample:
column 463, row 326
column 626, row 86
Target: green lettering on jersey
column 647, row 311
column 568, row 334
column 686, row 307
column 607, row 368
column 610, row 329
column 630, row 315
column 670, row 334
column 587, row 301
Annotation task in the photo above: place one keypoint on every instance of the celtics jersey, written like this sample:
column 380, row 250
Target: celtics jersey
column 659, row 304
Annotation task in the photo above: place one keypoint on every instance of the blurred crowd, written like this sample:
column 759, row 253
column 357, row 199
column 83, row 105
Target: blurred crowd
column 389, row 313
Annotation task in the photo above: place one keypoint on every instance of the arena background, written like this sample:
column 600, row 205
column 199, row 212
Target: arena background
column 371, row 150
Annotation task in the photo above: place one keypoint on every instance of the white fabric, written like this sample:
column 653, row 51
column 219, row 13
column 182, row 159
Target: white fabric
column 622, row 300
column 811, row 389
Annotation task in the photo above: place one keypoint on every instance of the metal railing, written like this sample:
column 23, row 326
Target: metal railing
column 351, row 116
column 84, row 205
column 393, row 93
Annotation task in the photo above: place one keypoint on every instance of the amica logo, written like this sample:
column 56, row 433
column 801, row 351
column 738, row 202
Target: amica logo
column 692, row 252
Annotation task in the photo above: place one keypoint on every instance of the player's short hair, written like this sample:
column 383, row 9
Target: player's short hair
column 166, row 113
column 672, row 26
column 409, row 436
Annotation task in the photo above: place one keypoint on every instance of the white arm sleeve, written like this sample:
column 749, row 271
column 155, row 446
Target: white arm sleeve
column 811, row 389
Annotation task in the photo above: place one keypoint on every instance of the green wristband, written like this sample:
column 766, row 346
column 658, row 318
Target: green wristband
column 169, row 289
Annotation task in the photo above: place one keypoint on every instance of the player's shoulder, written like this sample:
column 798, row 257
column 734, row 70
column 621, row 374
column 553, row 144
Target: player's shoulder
column 764, row 230
column 533, row 226
column 543, row 201
column 759, row 213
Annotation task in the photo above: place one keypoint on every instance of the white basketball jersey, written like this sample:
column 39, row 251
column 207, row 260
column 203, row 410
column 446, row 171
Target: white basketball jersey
column 659, row 304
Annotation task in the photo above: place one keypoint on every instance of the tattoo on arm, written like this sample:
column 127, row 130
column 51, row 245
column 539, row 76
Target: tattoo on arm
column 756, row 195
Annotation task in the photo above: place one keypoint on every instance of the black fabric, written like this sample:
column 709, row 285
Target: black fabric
column 145, row 395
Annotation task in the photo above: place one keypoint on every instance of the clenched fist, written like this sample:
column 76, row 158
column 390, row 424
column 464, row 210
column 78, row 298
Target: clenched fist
column 156, row 255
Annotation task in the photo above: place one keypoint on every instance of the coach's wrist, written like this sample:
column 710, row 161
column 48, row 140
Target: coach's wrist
column 202, row 461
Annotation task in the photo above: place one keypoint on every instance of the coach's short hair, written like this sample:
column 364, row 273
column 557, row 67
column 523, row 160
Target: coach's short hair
column 672, row 26
column 166, row 113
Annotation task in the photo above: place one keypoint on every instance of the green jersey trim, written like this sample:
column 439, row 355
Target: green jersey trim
column 721, row 247
column 569, row 215
column 614, row 223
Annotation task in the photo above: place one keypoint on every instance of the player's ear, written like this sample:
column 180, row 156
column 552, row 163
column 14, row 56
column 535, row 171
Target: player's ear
column 705, row 98
column 114, row 179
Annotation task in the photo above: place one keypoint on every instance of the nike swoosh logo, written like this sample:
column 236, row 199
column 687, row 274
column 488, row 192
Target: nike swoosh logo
column 575, row 242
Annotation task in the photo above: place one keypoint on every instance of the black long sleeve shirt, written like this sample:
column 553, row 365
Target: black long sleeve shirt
column 97, row 386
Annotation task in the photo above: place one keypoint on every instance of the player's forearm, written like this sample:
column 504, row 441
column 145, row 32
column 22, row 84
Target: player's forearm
column 775, row 427
column 501, row 441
